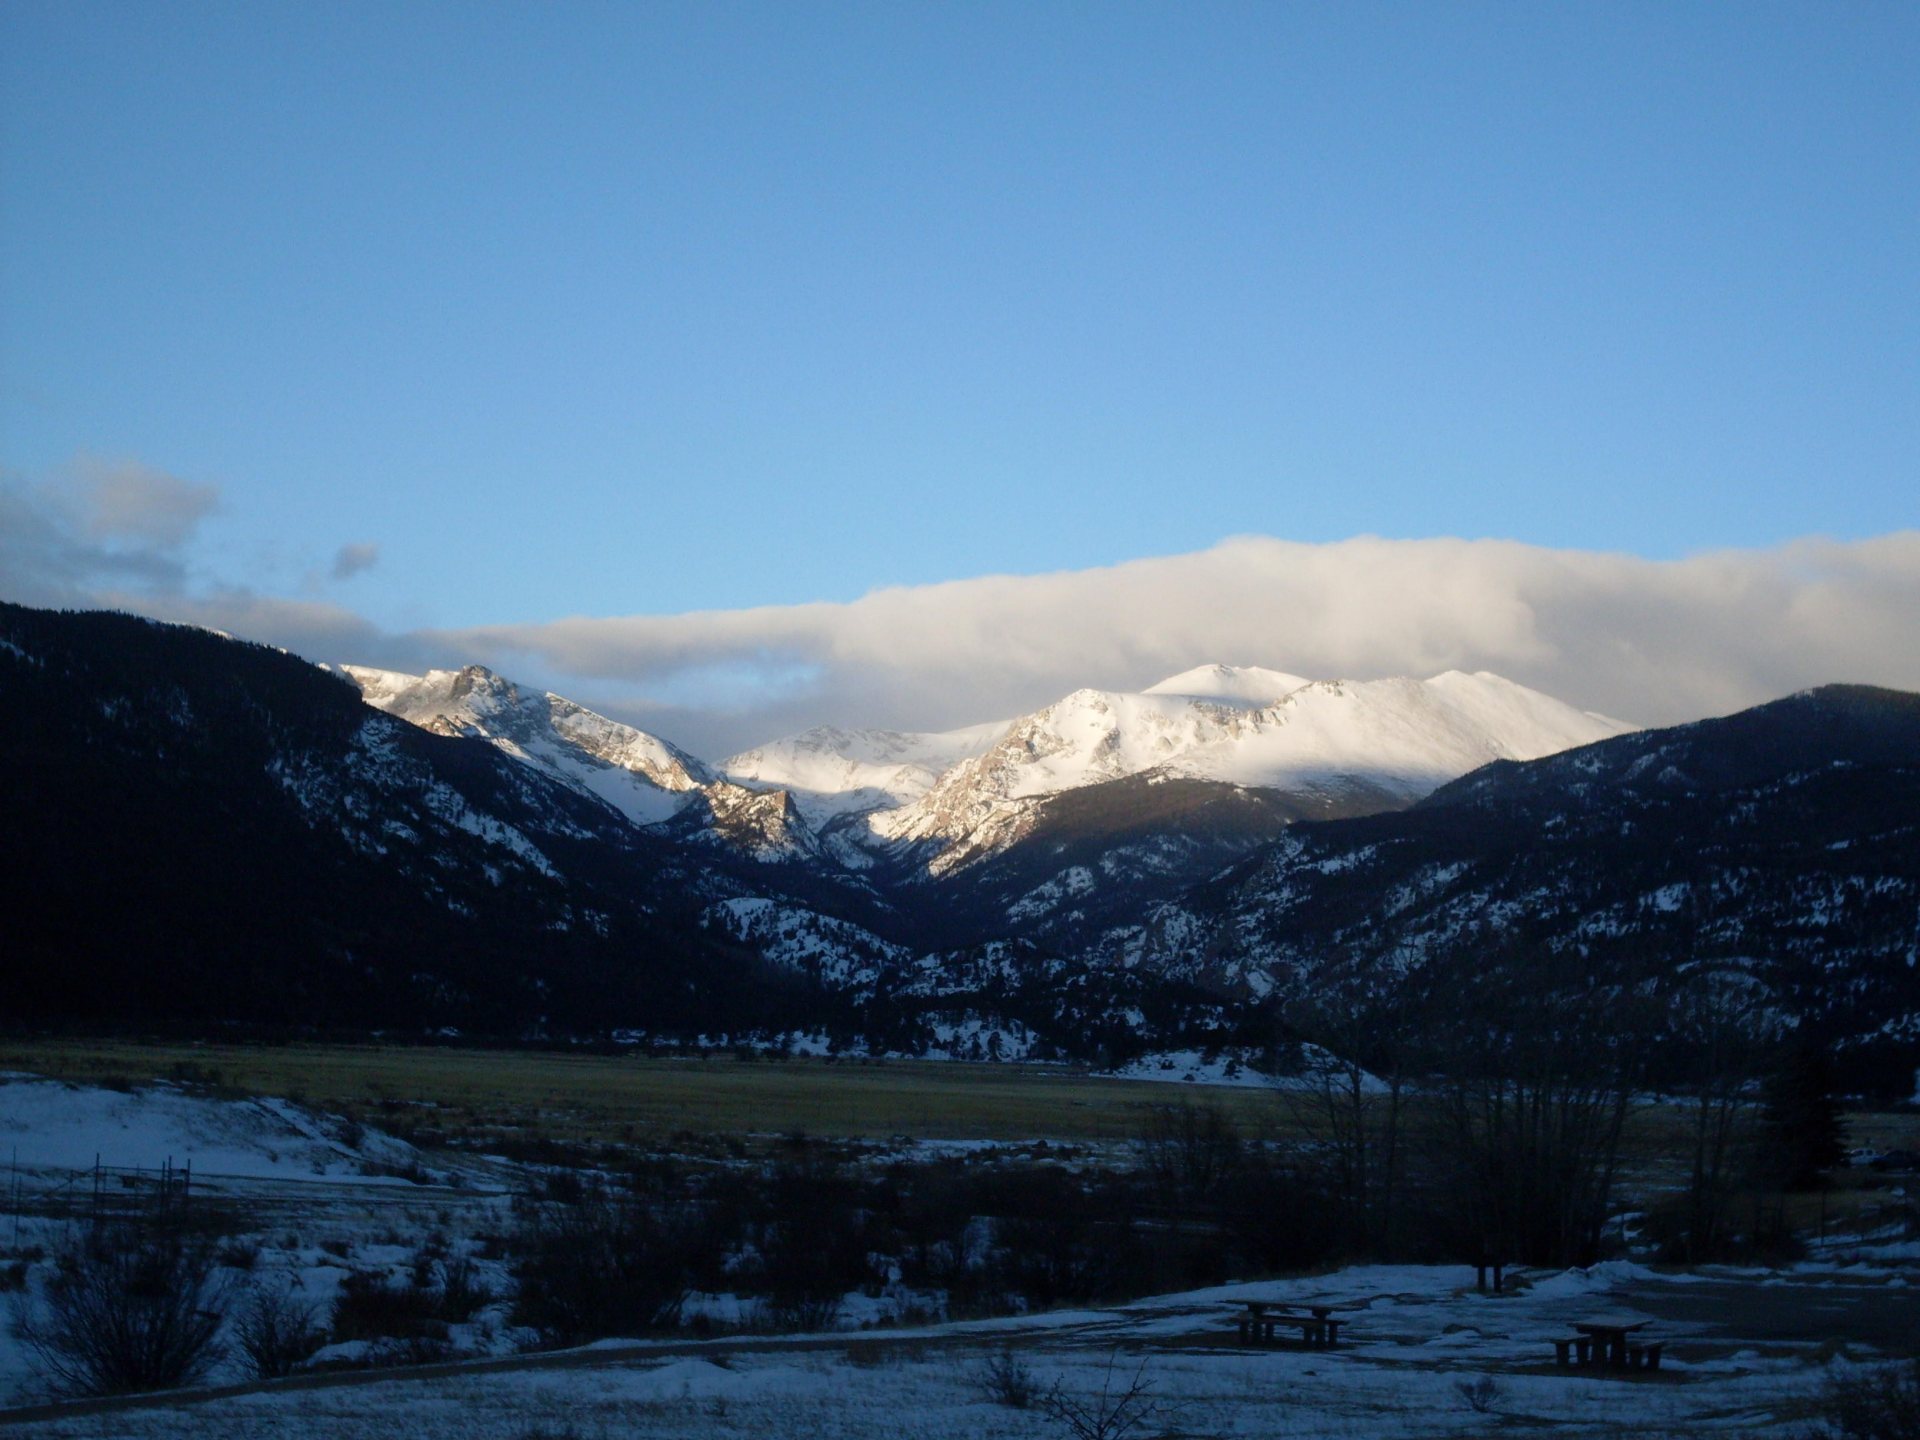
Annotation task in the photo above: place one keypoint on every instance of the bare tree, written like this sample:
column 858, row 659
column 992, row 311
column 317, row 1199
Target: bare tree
column 1721, row 1021
column 1539, row 1081
column 1361, row 1017
column 1191, row 1151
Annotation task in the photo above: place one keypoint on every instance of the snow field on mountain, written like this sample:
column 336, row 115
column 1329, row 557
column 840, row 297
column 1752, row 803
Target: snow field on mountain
column 643, row 777
column 1242, row 725
column 832, row 772
column 1399, row 738
column 1242, row 684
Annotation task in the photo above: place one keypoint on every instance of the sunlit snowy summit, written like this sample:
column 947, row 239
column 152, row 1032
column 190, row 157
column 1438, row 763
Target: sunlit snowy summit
column 849, row 796
column 1376, row 744
column 640, row 775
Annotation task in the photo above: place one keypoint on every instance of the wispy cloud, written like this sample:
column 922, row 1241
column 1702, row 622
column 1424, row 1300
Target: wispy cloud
column 97, row 526
column 117, row 536
column 351, row 560
column 125, row 501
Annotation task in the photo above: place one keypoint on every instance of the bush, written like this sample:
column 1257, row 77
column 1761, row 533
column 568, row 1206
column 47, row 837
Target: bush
column 372, row 1308
column 603, row 1263
column 461, row 1293
column 275, row 1330
column 1881, row 1405
column 135, row 1305
column 1007, row 1381
column 1111, row 1414
column 814, row 1244
column 1480, row 1394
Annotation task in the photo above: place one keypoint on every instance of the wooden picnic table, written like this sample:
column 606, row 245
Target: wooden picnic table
column 1609, row 1342
column 1318, row 1329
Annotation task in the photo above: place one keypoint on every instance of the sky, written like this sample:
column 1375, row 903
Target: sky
column 854, row 363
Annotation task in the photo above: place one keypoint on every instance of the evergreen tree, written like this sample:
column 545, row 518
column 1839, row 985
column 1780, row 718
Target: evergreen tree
column 1802, row 1135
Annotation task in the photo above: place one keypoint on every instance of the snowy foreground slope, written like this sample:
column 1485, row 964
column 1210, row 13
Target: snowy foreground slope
column 1422, row 1353
column 48, row 1126
column 1415, row 1336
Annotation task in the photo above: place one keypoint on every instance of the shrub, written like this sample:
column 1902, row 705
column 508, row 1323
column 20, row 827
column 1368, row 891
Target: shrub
column 1109, row 1415
column 461, row 1293
column 1883, row 1404
column 603, row 1263
column 1007, row 1381
column 239, row 1254
column 372, row 1308
column 1479, row 1394
column 814, row 1245
column 135, row 1305
column 276, row 1330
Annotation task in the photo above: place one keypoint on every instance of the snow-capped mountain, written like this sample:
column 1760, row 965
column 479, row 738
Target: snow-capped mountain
column 845, row 800
column 832, row 772
column 1779, row 846
column 1230, row 684
column 1384, row 742
column 208, row 831
column 640, row 775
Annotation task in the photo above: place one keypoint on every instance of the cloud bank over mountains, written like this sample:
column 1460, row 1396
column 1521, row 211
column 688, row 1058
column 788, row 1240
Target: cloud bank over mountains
column 1648, row 641
column 1651, row 641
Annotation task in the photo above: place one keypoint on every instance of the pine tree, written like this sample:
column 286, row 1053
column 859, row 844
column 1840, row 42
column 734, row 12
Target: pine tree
column 1802, row 1134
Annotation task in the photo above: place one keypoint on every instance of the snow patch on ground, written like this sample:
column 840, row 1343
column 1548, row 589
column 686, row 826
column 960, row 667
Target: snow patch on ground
column 53, row 1125
column 1194, row 1067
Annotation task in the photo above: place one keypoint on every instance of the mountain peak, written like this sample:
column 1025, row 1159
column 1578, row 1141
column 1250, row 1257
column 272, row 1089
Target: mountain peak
column 1236, row 684
column 640, row 775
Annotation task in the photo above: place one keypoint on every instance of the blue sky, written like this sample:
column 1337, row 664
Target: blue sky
column 636, row 310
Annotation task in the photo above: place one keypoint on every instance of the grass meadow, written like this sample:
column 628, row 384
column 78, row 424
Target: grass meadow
column 602, row 1099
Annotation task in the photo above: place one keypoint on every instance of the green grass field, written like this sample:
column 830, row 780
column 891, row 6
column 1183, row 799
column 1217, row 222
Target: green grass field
column 612, row 1098
column 481, row 1097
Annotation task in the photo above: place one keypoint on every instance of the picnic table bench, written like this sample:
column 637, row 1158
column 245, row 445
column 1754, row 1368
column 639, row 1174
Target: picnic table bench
column 1608, row 1343
column 1318, row 1329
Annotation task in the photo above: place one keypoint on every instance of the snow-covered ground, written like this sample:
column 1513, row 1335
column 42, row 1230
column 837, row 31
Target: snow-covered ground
column 318, row 1197
column 1742, row 1347
column 1415, row 1336
column 49, row 1125
column 1237, row 1068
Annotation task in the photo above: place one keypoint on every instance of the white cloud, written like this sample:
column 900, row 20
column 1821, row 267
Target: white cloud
column 99, row 536
column 1653, row 641
column 97, row 527
column 126, row 501
column 1650, row 641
